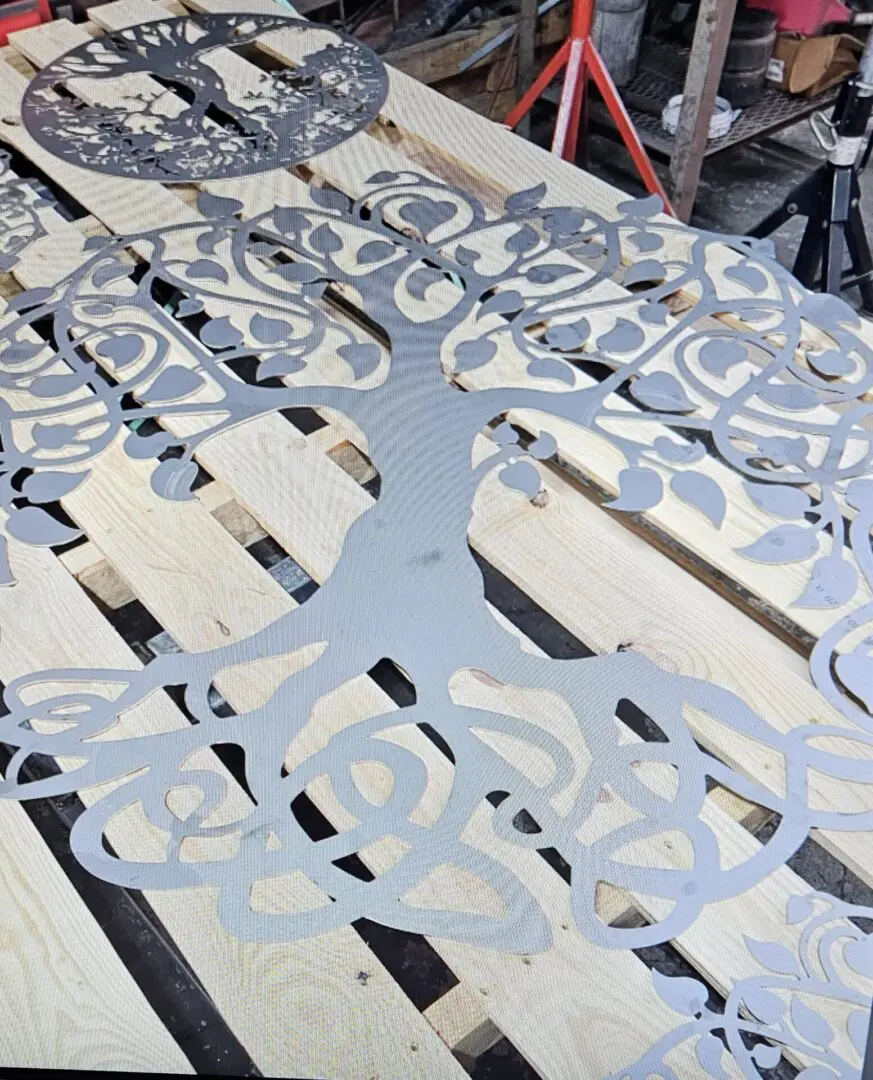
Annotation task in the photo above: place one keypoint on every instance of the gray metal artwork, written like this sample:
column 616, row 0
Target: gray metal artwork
column 190, row 120
column 19, row 220
column 783, row 1012
column 471, row 313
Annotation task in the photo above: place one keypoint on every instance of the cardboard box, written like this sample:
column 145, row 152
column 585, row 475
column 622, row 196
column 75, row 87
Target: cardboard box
column 808, row 66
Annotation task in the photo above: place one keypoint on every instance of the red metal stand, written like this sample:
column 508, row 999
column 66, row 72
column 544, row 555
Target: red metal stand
column 581, row 58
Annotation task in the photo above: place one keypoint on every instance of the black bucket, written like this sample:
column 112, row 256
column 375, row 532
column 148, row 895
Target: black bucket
column 748, row 54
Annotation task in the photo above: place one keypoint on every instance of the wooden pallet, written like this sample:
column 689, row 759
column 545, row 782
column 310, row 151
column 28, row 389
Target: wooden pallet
column 330, row 1007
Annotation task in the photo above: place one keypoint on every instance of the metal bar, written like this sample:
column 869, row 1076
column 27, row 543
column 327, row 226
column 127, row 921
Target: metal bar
column 499, row 39
column 527, row 31
column 705, row 65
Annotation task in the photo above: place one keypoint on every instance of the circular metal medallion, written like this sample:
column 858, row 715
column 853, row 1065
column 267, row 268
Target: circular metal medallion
column 162, row 101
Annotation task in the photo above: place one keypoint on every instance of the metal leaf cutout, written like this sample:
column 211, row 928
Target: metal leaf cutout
column 662, row 392
column 772, row 956
column 785, row 543
column 46, row 487
column 783, row 501
column 638, row 489
column 522, row 476
column 173, row 478
column 809, row 1024
column 701, row 492
column 682, row 994
column 833, row 582
column 31, row 525
column 719, row 356
column 173, row 383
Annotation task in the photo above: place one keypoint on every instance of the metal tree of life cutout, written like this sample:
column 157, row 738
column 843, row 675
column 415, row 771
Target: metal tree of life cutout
column 464, row 314
column 95, row 107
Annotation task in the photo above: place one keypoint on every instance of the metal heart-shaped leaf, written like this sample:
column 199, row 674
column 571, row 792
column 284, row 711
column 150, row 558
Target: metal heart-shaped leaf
column 207, row 242
column 784, row 544
column 680, row 453
column 329, row 199
column 710, row 1051
column 544, row 447
column 375, row 251
column 751, row 277
column 53, row 436
column 502, row 303
column 831, row 363
column 173, row 479
column 763, row 1005
column 419, row 281
column 773, row 956
column 207, row 270
column 702, row 492
column 173, row 383
column 662, row 392
column 220, row 333
column 505, row 434
column 765, row 1056
column 470, row 355
column 683, row 995
column 809, row 1024
column 624, row 337
column 46, row 487
column 549, row 273
column 290, row 220
column 55, row 386
column 31, row 525
column 719, row 356
column 364, row 358
column 859, row 956
column 529, row 199
column 465, row 256
column 19, row 352
column 428, row 214
column 383, row 178
column 189, row 306
column 111, row 271
column 784, row 450
column 781, row 500
column 646, row 207
column 859, row 493
column 270, row 331
column 216, row 206
column 639, row 489
column 649, row 271
column 654, row 313
column 525, row 239
column 28, row 299
column 568, row 336
column 325, row 240
column 122, row 350
column 543, row 368
column 522, row 476
column 277, row 366
column 297, row 272
column 564, row 222
column 833, row 583
column 141, row 447
column 798, row 909
column 646, row 241
column 791, row 397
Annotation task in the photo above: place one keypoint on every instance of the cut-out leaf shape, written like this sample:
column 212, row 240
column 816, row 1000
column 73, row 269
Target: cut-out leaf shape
column 216, row 206
column 290, row 221
column 465, row 256
column 564, row 222
column 207, row 242
column 798, row 909
column 270, row 331
column 543, row 368
column 859, row 493
column 859, row 954
column 220, row 333
column 828, row 312
column 207, row 270
column 719, row 356
column 325, row 240
column 624, row 337
column 831, row 363
column 364, row 358
column 94, row 243
column 375, row 251
column 122, row 350
column 505, row 434
column 544, row 447
column 111, row 271
column 523, row 240
column 784, row 544
column 794, row 398
column 428, row 214
column 783, row 449
column 646, row 241
column 701, row 492
column 46, row 487
column 189, row 306
column 529, row 199
column 31, row 525
column 19, row 352
column 53, row 436
column 277, row 366
column 173, row 478
column 681, row 994
column 858, row 1026
column 645, row 271
column 549, row 273
column 680, row 453
column 314, row 289
column 763, row 1005
column 833, row 583
column 330, row 199
column 751, row 277
column 647, row 207
column 502, row 303
column 174, row 382
column 263, row 249
column 52, row 386
column 297, row 272
column 710, row 1051
column 809, row 1024
column 568, row 336
column 524, row 477
column 419, row 281
column 662, row 392
column 97, row 310
column 470, row 355
column 383, row 177
column 639, row 489
column 773, row 956
column 28, row 299
column 766, row 1056
column 141, row 447
column 781, row 500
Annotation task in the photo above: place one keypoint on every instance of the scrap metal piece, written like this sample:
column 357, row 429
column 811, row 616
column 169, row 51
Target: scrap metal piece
column 94, row 107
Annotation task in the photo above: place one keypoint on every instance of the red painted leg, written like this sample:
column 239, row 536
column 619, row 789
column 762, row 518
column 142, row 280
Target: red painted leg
column 549, row 72
column 567, row 123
